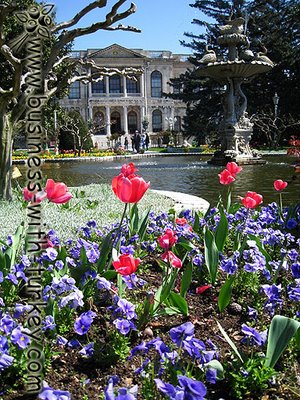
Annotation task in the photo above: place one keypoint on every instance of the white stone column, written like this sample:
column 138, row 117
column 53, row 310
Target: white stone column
column 142, row 85
column 107, row 120
column 90, row 113
column 125, row 118
column 107, row 86
column 165, row 122
column 124, row 86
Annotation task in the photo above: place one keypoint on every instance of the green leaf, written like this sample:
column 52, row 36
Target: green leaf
column 170, row 311
column 281, row 331
column 196, row 225
column 179, row 302
column 211, row 254
column 105, row 251
column 225, row 293
column 186, row 244
column 221, row 231
column 230, row 342
column 143, row 223
column 134, row 219
column 186, row 279
column 110, row 274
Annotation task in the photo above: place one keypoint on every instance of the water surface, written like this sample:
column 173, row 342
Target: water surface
column 188, row 174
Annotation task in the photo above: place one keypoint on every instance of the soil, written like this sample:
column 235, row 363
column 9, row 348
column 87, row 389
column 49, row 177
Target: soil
column 69, row 370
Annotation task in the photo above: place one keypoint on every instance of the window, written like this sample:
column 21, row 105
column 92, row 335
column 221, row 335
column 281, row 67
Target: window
column 115, row 84
column 99, row 124
column 156, row 84
column 74, row 91
column 98, row 87
column 132, row 86
column 115, row 122
column 132, row 121
column 177, row 124
column 157, row 121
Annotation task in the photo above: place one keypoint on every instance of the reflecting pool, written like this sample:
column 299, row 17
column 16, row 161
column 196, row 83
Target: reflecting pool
column 188, row 174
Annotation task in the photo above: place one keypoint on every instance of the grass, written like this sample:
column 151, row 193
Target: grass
column 89, row 202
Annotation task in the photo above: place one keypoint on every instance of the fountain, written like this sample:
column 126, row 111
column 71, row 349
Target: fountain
column 239, row 66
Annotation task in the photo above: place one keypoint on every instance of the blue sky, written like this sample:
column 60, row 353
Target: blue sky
column 163, row 23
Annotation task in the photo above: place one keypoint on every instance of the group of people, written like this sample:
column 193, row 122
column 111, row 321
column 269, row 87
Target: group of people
column 139, row 141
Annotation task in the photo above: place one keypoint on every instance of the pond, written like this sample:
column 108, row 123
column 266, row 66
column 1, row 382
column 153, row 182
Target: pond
column 188, row 174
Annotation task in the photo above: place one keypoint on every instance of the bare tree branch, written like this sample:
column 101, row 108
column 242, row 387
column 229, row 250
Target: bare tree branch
column 80, row 15
column 111, row 18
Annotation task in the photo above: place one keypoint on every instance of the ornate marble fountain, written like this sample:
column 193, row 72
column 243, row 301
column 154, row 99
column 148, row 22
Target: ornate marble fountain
column 240, row 65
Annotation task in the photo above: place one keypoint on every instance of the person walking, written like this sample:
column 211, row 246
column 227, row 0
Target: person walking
column 133, row 141
column 126, row 143
column 147, row 141
column 137, row 141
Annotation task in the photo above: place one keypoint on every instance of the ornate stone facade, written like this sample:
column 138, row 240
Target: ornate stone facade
column 119, row 104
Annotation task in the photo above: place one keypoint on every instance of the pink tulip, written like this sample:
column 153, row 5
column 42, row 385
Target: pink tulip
column 181, row 221
column 226, row 178
column 168, row 239
column 252, row 199
column 129, row 189
column 233, row 168
column 279, row 185
column 128, row 170
column 28, row 195
column 171, row 258
column 126, row 264
column 57, row 192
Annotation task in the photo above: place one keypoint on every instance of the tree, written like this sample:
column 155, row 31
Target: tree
column 57, row 71
column 272, row 24
column 73, row 124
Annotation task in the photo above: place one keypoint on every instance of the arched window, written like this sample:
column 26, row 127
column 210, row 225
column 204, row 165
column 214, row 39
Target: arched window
column 156, row 84
column 132, row 121
column 99, row 123
column 132, row 86
column 74, row 90
column 177, row 124
column 157, row 121
column 115, row 120
column 115, row 84
column 98, row 87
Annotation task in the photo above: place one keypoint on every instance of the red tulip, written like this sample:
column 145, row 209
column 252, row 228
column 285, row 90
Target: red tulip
column 181, row 221
column 226, row 178
column 126, row 264
column 128, row 170
column 129, row 189
column 28, row 195
column 57, row 192
column 279, row 185
column 168, row 239
column 252, row 199
column 170, row 257
column 233, row 168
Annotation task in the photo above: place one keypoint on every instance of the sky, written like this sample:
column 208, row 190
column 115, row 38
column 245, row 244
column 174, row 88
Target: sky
column 162, row 22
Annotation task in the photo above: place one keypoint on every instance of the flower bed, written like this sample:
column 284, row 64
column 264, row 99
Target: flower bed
column 160, row 306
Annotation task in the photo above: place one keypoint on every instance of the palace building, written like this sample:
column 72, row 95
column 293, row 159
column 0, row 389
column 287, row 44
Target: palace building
column 118, row 104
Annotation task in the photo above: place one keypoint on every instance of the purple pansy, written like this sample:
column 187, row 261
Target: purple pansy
column 84, row 322
column 182, row 332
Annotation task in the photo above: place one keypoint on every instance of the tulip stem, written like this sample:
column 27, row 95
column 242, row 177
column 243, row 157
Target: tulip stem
column 280, row 202
column 120, row 225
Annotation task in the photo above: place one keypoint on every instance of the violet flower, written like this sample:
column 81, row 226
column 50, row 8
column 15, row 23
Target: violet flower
column 182, row 332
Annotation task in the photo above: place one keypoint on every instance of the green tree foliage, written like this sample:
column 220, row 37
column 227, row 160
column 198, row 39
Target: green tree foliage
column 273, row 24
